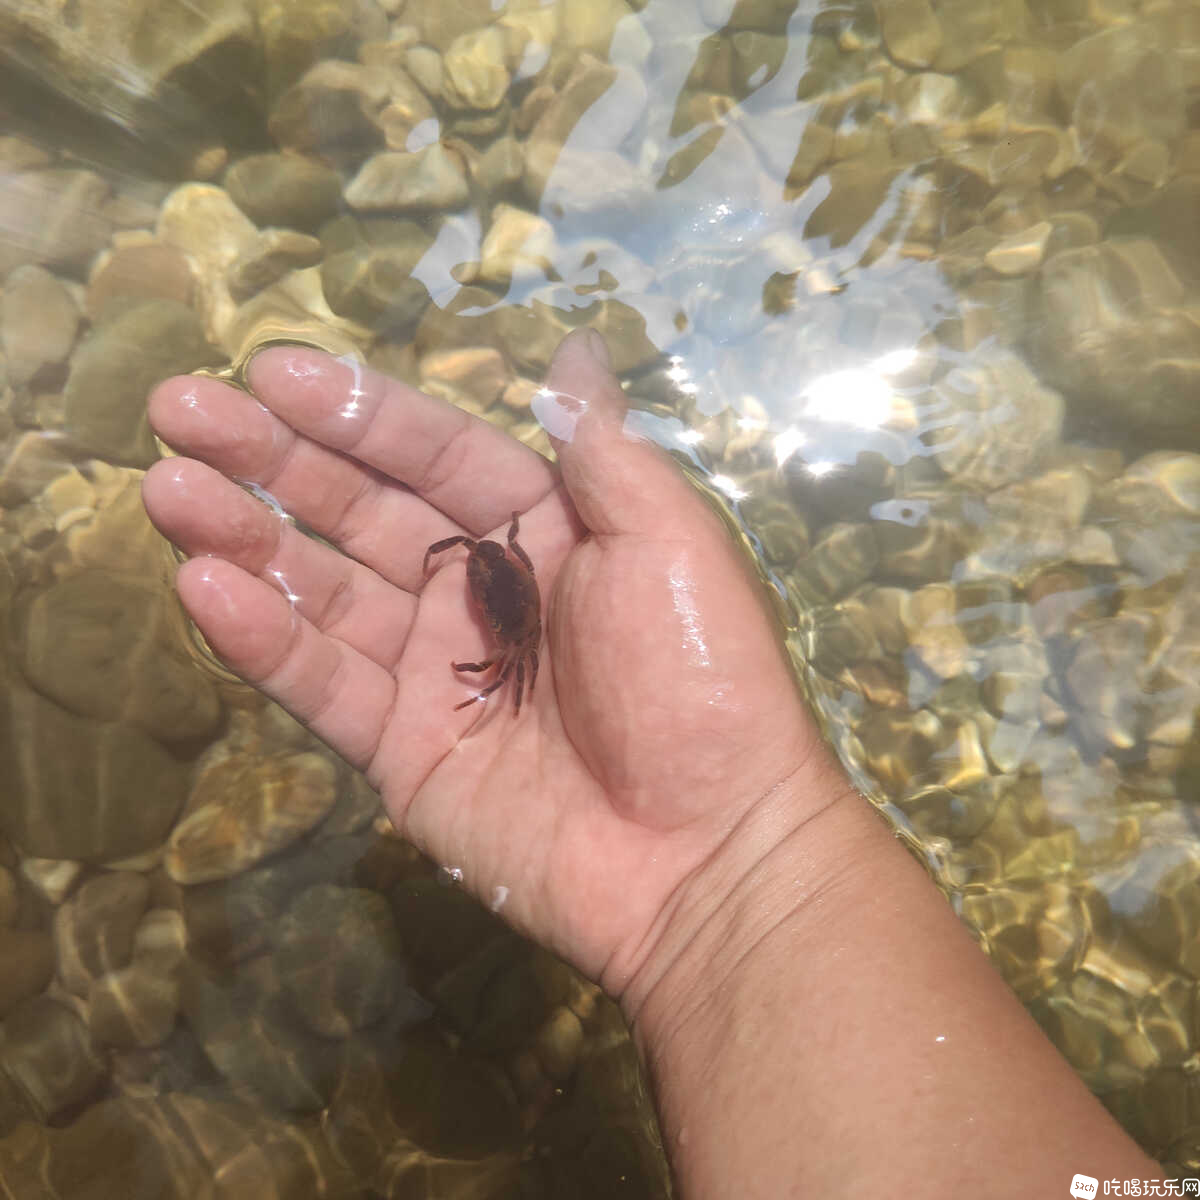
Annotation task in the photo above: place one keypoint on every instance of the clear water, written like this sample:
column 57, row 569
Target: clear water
column 915, row 297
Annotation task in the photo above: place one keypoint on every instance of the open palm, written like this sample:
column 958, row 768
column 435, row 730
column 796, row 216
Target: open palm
column 664, row 710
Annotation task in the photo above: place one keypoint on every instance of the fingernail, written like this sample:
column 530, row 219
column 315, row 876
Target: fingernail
column 599, row 349
column 556, row 413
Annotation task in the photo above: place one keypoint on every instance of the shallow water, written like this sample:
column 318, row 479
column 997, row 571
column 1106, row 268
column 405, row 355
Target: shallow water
column 912, row 287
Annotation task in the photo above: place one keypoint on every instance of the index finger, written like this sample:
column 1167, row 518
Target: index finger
column 460, row 464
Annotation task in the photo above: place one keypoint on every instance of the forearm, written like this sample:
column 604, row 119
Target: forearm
column 833, row 1030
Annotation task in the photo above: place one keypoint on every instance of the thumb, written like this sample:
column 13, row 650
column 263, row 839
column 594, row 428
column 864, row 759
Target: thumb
column 618, row 480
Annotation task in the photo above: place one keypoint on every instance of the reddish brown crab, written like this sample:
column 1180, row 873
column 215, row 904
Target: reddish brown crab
column 506, row 594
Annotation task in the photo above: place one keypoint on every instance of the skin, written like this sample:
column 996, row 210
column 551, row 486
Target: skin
column 662, row 813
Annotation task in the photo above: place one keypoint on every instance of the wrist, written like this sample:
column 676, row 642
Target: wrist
column 778, row 868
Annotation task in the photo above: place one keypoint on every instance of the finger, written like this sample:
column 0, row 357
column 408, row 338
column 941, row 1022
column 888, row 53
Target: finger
column 204, row 514
column 619, row 481
column 371, row 518
column 344, row 698
column 464, row 467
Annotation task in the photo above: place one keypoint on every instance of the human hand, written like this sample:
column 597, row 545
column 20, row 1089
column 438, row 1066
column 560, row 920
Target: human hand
column 665, row 712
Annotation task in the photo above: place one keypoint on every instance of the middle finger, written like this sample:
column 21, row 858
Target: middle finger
column 370, row 517
column 205, row 515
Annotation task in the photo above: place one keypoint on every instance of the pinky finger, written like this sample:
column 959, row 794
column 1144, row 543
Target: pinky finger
column 341, row 695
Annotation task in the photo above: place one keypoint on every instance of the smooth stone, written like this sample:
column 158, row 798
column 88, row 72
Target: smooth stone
column 518, row 245
column 297, row 33
column 471, row 378
column 50, row 878
column 114, row 369
column 595, row 189
column 845, row 556
column 94, row 930
column 367, row 272
column 38, row 321
column 52, row 217
column 203, row 221
column 32, row 462
column 1120, row 86
column 278, row 252
column 558, row 1044
column 476, row 75
column 135, row 1007
column 911, row 31
column 424, row 64
column 334, row 108
column 1112, row 330
column 253, row 1043
column 18, row 154
column 119, row 538
column 149, row 271
column 587, row 26
column 160, row 938
column 285, row 189
column 105, row 646
column 439, row 23
column 82, row 789
column 589, row 81
column 500, row 167
column 340, row 959
column 1005, row 421
column 10, row 898
column 26, row 965
column 48, row 1053
column 432, row 178
column 408, row 122
column 1022, row 253
column 243, row 811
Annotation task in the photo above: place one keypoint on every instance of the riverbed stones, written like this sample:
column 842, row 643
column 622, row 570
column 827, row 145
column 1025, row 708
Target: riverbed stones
column 47, row 1053
column 1134, row 347
column 136, row 1006
column 102, row 646
column 144, row 270
column 428, row 179
column 26, row 965
column 366, row 274
column 291, row 190
column 333, row 109
column 104, row 400
column 53, row 218
column 1005, row 421
column 84, row 789
column 476, row 75
column 298, row 33
column 38, row 321
column 911, row 31
column 963, row 572
column 277, row 253
column 242, row 811
column 588, row 82
column 94, row 930
column 340, row 959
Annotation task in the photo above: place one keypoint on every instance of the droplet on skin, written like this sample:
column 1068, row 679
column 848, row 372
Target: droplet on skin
column 557, row 412
column 352, row 409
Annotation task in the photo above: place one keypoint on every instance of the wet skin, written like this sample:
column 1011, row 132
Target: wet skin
column 665, row 711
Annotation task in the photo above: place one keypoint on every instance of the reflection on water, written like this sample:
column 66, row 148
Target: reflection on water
column 913, row 287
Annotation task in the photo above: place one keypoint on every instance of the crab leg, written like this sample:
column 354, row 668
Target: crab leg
column 479, row 666
column 505, row 670
column 445, row 544
column 512, row 544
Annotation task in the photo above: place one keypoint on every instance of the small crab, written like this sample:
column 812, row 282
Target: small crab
column 506, row 594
